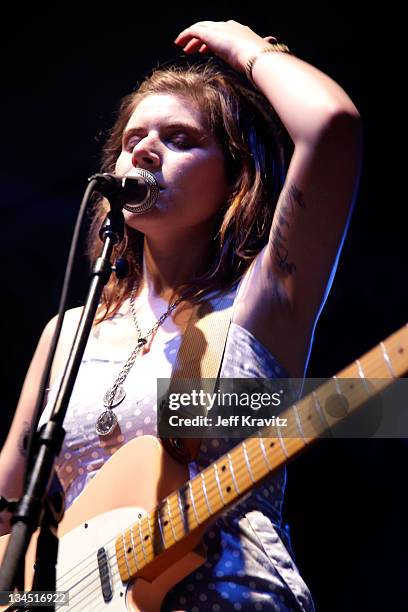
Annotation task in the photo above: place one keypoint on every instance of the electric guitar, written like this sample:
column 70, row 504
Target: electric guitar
column 136, row 530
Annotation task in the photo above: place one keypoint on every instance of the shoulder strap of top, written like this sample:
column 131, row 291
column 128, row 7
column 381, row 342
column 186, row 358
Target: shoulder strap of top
column 199, row 359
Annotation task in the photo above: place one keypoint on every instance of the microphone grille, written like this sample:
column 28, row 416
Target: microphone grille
column 152, row 192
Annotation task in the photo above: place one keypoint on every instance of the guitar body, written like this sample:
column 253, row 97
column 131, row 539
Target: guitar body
column 133, row 481
column 141, row 481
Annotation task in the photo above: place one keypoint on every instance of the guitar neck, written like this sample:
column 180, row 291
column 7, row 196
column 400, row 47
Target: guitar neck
column 235, row 474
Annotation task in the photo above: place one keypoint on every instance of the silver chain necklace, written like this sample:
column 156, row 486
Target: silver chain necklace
column 107, row 420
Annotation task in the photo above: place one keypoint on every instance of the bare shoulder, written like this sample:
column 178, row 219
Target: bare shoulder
column 28, row 396
column 69, row 327
column 13, row 454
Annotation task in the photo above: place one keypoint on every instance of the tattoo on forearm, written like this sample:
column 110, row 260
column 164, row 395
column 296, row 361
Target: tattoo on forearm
column 292, row 199
column 23, row 440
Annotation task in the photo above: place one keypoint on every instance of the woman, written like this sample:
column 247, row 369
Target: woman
column 231, row 217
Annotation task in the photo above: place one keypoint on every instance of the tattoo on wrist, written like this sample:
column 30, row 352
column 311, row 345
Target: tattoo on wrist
column 292, row 198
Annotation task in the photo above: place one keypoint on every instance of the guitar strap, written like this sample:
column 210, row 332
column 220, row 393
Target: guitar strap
column 199, row 359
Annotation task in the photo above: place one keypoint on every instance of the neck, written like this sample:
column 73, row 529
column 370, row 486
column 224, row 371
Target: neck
column 166, row 267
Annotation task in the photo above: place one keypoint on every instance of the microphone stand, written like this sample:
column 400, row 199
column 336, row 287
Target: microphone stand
column 36, row 506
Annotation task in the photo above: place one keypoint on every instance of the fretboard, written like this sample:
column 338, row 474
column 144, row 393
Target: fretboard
column 235, row 474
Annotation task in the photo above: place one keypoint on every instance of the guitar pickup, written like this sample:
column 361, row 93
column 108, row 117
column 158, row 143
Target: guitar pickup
column 104, row 575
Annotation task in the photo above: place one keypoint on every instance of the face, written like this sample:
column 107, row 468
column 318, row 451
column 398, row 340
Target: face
column 166, row 135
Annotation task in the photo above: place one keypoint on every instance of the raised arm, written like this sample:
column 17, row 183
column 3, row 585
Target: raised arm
column 315, row 203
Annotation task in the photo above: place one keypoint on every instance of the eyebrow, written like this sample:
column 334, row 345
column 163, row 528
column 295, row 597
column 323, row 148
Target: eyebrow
column 196, row 131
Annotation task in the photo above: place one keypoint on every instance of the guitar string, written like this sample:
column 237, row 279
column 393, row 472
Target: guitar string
column 210, row 490
column 115, row 574
column 199, row 504
column 240, row 466
column 375, row 361
column 238, row 469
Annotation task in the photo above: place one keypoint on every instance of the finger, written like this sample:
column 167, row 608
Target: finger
column 183, row 38
column 270, row 39
column 203, row 49
column 193, row 45
column 194, row 30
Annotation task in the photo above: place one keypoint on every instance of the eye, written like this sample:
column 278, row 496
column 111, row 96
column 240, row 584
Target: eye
column 181, row 141
column 131, row 143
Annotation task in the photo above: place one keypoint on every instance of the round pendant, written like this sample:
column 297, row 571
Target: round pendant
column 119, row 396
column 106, row 423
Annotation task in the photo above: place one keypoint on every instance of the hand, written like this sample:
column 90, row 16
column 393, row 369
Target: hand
column 229, row 40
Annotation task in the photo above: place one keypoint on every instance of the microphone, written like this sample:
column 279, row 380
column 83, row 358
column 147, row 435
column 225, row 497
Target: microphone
column 136, row 192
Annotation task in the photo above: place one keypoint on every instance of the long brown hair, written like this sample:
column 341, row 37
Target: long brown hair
column 256, row 148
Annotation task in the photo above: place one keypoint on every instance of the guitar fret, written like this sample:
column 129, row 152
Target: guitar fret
column 265, row 456
column 336, row 384
column 247, row 462
column 141, row 540
column 177, row 519
column 201, row 505
column 129, row 551
column 214, row 494
column 344, row 393
column 161, row 528
column 233, row 474
column 242, row 473
column 299, row 423
column 180, row 503
column 155, row 542
column 193, row 502
column 170, row 519
column 178, row 515
column 148, row 537
column 188, row 507
column 184, row 517
column 120, row 558
column 340, row 393
column 205, row 493
column 362, row 376
column 218, row 483
column 125, row 556
column 260, row 470
column 133, row 547
column 319, row 410
column 280, row 438
column 387, row 360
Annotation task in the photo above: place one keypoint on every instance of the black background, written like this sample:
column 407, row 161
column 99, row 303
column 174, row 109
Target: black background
column 62, row 77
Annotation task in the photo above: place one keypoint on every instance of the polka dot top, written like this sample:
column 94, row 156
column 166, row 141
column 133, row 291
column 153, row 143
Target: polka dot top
column 246, row 542
column 84, row 452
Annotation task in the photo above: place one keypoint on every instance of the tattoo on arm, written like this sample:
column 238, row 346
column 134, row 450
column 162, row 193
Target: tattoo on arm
column 23, row 440
column 292, row 198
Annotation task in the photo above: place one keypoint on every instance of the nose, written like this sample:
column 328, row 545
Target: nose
column 145, row 155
